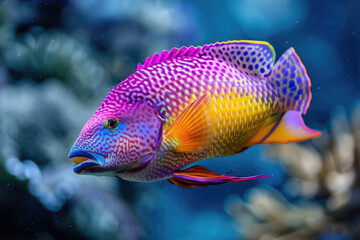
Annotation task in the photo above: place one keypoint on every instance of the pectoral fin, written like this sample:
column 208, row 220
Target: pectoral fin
column 193, row 130
column 198, row 176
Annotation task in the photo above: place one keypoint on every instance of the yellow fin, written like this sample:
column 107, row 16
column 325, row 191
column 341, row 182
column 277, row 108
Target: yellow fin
column 282, row 128
column 193, row 129
column 264, row 130
column 291, row 128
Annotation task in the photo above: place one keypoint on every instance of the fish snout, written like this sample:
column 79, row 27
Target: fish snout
column 85, row 160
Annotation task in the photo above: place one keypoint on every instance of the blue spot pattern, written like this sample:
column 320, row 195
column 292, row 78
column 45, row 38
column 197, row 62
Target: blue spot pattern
column 294, row 82
column 254, row 59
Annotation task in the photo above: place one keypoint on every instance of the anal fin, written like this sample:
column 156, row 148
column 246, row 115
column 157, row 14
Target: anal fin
column 291, row 128
column 198, row 176
column 282, row 128
column 268, row 126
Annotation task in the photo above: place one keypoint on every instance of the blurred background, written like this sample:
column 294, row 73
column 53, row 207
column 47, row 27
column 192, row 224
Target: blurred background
column 59, row 59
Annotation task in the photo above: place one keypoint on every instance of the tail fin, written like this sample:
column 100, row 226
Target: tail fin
column 290, row 77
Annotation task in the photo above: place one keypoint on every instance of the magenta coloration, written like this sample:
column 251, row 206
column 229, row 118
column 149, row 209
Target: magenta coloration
column 195, row 103
column 137, row 135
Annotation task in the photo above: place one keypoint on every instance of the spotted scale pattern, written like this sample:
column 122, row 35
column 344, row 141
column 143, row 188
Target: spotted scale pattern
column 290, row 78
column 242, row 102
column 253, row 58
column 235, row 75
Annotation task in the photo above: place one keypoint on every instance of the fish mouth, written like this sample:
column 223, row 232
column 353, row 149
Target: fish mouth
column 85, row 160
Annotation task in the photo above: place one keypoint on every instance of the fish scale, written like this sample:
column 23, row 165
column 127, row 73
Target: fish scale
column 244, row 113
column 190, row 104
column 235, row 124
column 177, row 81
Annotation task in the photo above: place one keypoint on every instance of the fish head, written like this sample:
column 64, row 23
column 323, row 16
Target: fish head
column 117, row 140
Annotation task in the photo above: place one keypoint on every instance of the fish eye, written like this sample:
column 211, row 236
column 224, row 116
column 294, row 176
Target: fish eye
column 111, row 123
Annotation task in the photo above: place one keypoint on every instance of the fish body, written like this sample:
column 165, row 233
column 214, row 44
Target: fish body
column 191, row 104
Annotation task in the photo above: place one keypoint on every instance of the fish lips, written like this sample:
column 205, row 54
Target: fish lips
column 92, row 163
column 86, row 161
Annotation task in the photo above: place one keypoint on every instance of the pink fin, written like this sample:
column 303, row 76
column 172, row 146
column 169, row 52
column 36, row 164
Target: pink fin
column 165, row 55
column 290, row 128
column 198, row 176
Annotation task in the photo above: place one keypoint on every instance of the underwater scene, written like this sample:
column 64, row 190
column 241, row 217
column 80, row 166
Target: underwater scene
column 183, row 119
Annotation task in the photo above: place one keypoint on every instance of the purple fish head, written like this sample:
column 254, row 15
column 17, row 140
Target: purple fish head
column 116, row 140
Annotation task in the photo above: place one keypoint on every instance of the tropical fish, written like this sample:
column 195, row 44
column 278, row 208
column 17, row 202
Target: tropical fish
column 195, row 103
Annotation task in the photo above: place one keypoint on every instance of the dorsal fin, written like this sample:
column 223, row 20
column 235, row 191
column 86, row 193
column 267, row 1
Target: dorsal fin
column 254, row 58
column 250, row 57
column 165, row 55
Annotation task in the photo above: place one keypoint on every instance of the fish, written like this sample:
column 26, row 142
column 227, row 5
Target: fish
column 194, row 103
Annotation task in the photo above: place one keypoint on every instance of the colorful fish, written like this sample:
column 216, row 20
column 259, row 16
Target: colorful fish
column 195, row 103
